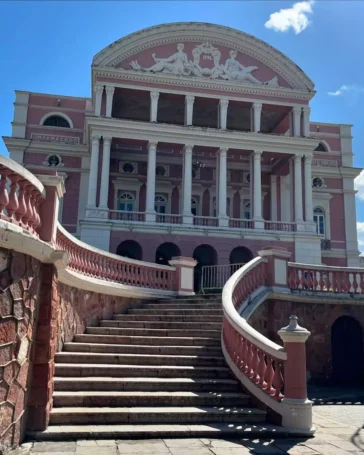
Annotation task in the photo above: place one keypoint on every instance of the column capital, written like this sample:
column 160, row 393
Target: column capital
column 297, row 109
column 107, row 140
column 189, row 99
column 152, row 145
column 222, row 151
column 188, row 148
column 95, row 138
column 298, row 157
column 306, row 109
column 154, row 95
column 109, row 90
column 257, row 105
column 308, row 159
column 99, row 88
column 224, row 103
column 257, row 154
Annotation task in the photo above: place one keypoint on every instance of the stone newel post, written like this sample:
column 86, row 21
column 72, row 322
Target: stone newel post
column 298, row 409
column 185, row 276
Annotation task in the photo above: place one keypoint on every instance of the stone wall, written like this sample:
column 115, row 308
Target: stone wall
column 20, row 277
column 318, row 318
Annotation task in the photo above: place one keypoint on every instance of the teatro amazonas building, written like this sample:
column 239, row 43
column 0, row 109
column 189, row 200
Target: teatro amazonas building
column 196, row 140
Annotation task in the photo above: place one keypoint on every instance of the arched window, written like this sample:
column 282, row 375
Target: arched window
column 320, row 220
column 321, row 148
column 127, row 202
column 194, row 206
column 56, row 121
column 247, row 211
column 160, row 204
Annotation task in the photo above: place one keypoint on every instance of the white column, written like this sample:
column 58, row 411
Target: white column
column 99, row 89
column 154, row 96
column 306, row 121
column 223, row 108
column 92, row 184
column 308, row 188
column 273, row 198
column 296, row 112
column 109, row 99
column 222, row 194
column 152, row 161
column 257, row 114
column 298, row 188
column 187, row 184
column 257, row 156
column 352, row 253
column 105, row 173
column 189, row 100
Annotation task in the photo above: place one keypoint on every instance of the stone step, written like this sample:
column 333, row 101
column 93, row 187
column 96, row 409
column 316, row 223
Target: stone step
column 158, row 399
column 158, row 371
column 154, row 332
column 166, row 318
column 137, row 359
column 147, row 340
column 238, row 430
column 142, row 349
column 182, row 306
column 169, row 312
column 161, row 325
column 146, row 384
column 155, row 415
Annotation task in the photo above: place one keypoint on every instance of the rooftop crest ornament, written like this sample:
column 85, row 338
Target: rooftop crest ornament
column 179, row 65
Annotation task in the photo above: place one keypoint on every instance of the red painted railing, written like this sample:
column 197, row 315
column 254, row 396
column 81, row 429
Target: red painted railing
column 21, row 195
column 325, row 279
column 256, row 357
column 95, row 263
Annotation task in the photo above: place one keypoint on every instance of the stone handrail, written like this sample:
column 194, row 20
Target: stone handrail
column 322, row 278
column 273, row 374
column 21, row 195
column 92, row 262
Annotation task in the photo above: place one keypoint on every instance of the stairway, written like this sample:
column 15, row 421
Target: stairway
column 156, row 371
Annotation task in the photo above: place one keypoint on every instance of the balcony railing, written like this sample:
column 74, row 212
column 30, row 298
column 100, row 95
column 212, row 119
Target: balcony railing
column 168, row 218
column 241, row 223
column 279, row 226
column 205, row 221
column 119, row 215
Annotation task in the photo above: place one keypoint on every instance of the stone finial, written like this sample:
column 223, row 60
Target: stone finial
column 294, row 333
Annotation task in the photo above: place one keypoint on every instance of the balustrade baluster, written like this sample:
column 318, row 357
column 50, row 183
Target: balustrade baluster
column 277, row 379
column 361, row 280
column 249, row 358
column 4, row 197
column 254, row 363
column 269, row 375
column 261, row 368
column 13, row 204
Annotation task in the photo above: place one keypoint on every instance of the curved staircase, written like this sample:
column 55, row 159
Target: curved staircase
column 156, row 371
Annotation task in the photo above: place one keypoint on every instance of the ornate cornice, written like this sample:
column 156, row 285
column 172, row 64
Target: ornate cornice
column 203, row 84
column 135, row 43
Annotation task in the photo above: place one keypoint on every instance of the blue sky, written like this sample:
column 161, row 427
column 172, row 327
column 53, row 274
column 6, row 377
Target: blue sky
column 51, row 48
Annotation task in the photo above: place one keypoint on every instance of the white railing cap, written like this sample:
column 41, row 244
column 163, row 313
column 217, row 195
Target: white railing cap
column 18, row 169
column 330, row 268
column 111, row 255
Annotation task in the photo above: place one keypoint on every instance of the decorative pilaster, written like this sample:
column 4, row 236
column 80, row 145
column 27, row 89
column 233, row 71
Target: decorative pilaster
column 273, row 198
column 296, row 112
column 257, row 114
column 92, row 185
column 109, row 99
column 308, row 188
column 154, row 96
column 187, row 184
column 189, row 100
column 222, row 176
column 257, row 156
column 152, row 161
column 99, row 89
column 298, row 188
column 306, row 121
column 105, row 172
column 223, row 108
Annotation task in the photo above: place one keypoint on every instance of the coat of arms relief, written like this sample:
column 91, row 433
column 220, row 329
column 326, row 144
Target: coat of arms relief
column 180, row 65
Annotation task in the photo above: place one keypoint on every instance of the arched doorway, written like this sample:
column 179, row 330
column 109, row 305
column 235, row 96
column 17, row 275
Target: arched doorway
column 240, row 255
column 165, row 252
column 347, row 351
column 204, row 255
column 130, row 249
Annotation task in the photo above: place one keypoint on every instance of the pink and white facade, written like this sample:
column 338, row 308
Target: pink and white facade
column 195, row 135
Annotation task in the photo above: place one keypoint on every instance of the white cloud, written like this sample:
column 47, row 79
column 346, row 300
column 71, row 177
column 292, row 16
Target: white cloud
column 359, row 185
column 360, row 229
column 291, row 18
column 347, row 88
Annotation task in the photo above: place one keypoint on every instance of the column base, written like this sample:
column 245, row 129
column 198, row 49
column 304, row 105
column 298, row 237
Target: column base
column 259, row 224
column 97, row 212
column 150, row 217
column 297, row 415
column 303, row 226
column 187, row 219
column 224, row 221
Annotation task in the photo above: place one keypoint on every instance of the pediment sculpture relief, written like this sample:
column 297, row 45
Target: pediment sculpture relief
column 179, row 65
